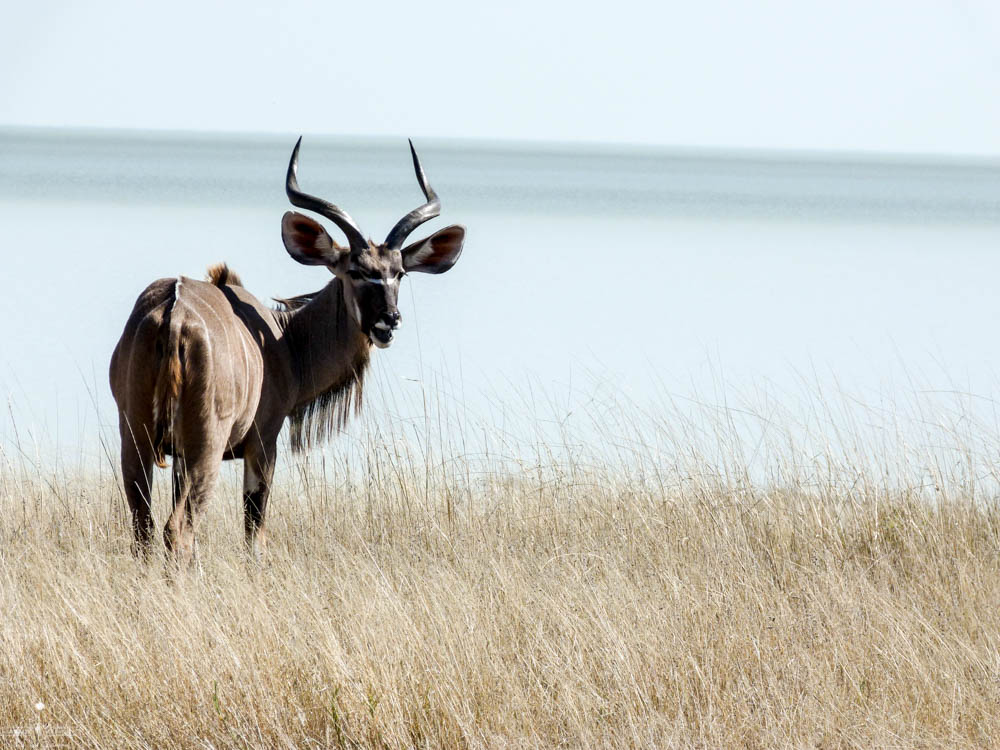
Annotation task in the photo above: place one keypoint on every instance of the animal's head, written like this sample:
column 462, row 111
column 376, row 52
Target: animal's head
column 370, row 272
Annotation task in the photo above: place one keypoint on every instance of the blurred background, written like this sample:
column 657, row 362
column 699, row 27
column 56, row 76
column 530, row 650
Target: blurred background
column 719, row 203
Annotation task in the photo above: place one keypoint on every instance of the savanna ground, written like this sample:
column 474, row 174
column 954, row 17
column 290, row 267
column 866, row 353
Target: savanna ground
column 692, row 580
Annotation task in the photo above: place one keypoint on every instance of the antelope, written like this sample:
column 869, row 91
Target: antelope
column 204, row 372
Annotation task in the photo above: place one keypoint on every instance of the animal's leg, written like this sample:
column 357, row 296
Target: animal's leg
column 175, row 532
column 258, row 471
column 137, row 474
column 194, row 479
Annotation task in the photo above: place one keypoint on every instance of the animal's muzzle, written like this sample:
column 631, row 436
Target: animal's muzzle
column 385, row 327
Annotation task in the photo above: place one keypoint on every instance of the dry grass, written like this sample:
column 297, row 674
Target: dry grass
column 645, row 600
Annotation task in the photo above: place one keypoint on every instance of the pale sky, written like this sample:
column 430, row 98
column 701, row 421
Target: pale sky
column 881, row 75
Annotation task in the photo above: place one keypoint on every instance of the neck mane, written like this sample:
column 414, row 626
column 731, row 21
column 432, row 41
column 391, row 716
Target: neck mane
column 330, row 355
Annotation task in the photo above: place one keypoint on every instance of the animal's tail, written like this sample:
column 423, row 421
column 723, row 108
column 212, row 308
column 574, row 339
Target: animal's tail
column 167, row 390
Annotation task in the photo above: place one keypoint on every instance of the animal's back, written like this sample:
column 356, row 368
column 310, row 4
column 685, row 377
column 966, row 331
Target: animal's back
column 186, row 370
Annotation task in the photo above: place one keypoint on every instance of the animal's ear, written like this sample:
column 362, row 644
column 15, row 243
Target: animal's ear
column 437, row 253
column 307, row 241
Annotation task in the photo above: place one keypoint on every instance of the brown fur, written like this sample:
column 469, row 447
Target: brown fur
column 205, row 373
column 291, row 304
column 314, row 422
column 220, row 274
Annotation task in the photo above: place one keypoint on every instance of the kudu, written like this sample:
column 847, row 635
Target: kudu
column 205, row 372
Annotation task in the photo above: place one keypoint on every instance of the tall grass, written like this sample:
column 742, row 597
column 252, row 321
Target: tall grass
column 716, row 573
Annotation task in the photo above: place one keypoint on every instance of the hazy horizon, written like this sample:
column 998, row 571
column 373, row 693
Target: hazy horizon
column 768, row 153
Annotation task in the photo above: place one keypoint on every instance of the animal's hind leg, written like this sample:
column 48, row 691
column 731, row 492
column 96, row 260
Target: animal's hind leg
column 175, row 532
column 195, row 475
column 137, row 474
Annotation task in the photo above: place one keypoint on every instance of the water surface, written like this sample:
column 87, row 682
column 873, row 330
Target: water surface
column 586, row 271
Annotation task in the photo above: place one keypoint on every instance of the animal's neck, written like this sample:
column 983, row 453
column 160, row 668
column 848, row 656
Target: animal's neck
column 328, row 349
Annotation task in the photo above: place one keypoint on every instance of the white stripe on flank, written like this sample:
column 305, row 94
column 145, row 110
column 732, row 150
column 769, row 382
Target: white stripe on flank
column 225, row 332
column 246, row 368
column 204, row 327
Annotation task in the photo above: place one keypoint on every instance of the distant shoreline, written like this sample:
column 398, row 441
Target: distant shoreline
column 160, row 168
column 500, row 146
